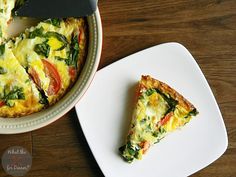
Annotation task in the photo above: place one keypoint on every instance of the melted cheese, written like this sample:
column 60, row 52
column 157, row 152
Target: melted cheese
column 54, row 43
column 59, row 53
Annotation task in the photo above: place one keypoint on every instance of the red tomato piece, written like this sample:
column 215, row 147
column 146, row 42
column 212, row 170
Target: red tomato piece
column 55, row 79
column 80, row 35
column 165, row 119
column 72, row 72
column 2, row 103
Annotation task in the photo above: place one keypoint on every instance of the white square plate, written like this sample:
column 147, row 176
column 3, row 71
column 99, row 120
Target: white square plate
column 105, row 111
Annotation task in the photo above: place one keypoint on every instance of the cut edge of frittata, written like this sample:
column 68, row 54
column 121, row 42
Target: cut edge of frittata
column 19, row 95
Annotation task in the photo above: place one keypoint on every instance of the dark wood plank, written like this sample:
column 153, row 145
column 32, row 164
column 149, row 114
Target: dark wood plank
column 206, row 27
column 61, row 150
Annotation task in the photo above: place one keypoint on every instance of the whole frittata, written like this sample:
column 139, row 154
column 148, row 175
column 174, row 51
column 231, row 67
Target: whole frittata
column 39, row 66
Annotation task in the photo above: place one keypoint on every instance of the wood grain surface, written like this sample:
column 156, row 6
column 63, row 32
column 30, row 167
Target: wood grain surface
column 206, row 27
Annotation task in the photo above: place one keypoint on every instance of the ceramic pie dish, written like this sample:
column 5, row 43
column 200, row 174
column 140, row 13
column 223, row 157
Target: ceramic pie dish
column 52, row 113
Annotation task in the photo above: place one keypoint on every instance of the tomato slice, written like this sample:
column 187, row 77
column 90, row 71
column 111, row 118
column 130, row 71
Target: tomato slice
column 55, row 79
column 80, row 35
column 2, row 103
column 34, row 75
column 165, row 119
column 72, row 72
column 145, row 145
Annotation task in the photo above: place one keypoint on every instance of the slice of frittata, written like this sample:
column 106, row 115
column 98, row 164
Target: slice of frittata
column 159, row 110
column 19, row 95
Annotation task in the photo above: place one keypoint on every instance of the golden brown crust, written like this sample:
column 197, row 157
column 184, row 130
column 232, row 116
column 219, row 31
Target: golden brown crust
column 22, row 108
column 83, row 46
column 17, row 114
column 148, row 82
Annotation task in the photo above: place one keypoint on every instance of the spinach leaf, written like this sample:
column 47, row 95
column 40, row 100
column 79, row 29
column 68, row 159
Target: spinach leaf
column 27, row 81
column 143, row 121
column 54, row 21
column 38, row 32
column 59, row 37
column 149, row 92
column 131, row 151
column 42, row 49
column 60, row 59
column 74, row 52
column 2, row 49
column 10, row 103
column 1, row 10
column 122, row 149
column 159, row 132
column 43, row 98
column 194, row 112
column 171, row 102
column 3, row 70
column 16, row 93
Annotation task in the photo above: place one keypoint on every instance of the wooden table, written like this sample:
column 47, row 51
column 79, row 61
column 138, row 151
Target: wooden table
column 206, row 27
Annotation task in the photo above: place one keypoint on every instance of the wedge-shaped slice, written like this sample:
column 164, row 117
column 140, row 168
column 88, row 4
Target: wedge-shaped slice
column 6, row 7
column 53, row 53
column 159, row 110
column 18, row 93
